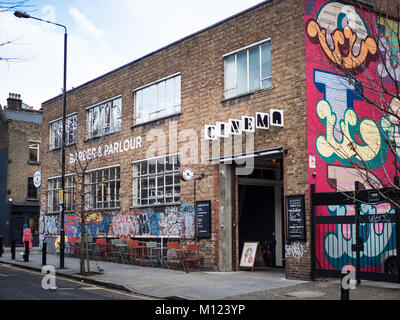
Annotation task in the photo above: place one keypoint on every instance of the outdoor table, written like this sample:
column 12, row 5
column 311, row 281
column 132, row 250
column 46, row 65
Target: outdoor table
column 160, row 254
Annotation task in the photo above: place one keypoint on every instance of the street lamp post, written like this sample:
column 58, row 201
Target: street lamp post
column 20, row 14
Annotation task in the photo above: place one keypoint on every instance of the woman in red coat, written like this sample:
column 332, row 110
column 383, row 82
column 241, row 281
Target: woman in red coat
column 27, row 235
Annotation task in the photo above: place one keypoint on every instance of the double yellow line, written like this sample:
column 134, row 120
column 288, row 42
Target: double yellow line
column 81, row 283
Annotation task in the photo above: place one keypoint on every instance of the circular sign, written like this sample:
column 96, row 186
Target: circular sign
column 187, row 174
column 37, row 179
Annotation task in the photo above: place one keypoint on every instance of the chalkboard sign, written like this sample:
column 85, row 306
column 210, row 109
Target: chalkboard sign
column 295, row 213
column 203, row 219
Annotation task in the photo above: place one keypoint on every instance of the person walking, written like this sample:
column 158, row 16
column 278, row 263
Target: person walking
column 27, row 236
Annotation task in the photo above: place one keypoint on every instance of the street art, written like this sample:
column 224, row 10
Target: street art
column 297, row 250
column 344, row 131
column 339, row 29
column 124, row 226
column 388, row 69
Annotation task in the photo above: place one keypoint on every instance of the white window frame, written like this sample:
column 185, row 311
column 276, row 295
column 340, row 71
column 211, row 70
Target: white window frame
column 31, row 142
column 52, row 193
column 104, row 129
column 262, row 79
column 158, row 114
column 161, row 196
column 58, row 122
column 92, row 189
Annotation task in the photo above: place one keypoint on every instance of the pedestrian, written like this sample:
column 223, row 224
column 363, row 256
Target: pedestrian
column 27, row 235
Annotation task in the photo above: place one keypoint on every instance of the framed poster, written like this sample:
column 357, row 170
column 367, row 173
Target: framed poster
column 249, row 255
column 295, row 218
column 203, row 219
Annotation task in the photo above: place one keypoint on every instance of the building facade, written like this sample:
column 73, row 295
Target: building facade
column 235, row 104
column 20, row 141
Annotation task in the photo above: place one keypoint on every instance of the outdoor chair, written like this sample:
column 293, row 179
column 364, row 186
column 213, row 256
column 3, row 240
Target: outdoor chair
column 171, row 259
column 191, row 257
column 103, row 250
column 151, row 255
column 117, row 250
column 134, row 252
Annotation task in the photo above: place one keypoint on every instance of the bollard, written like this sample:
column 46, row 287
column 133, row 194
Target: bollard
column 26, row 255
column 44, row 253
column 1, row 246
column 12, row 249
column 344, row 290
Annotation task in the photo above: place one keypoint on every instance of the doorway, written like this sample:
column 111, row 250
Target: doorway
column 260, row 211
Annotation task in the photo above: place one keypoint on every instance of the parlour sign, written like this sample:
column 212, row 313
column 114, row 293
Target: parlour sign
column 106, row 150
column 261, row 121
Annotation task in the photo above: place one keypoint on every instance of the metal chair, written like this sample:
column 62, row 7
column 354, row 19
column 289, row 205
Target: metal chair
column 192, row 256
column 133, row 252
column 171, row 258
column 151, row 256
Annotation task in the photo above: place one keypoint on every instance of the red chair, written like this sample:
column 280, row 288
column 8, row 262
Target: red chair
column 135, row 252
column 192, row 256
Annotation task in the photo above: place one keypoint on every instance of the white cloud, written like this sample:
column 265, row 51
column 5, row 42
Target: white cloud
column 85, row 25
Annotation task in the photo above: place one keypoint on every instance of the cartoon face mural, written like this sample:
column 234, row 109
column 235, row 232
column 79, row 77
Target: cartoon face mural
column 344, row 130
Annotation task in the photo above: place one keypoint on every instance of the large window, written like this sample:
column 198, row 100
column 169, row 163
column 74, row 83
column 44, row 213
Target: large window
column 103, row 189
column 54, row 186
column 158, row 100
column 156, row 181
column 248, row 70
column 70, row 132
column 104, row 118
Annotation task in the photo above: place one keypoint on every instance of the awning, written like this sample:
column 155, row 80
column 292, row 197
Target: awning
column 255, row 154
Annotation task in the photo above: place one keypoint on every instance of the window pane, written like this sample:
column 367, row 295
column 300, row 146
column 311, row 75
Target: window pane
column 161, row 105
column 170, row 96
column 177, row 103
column 242, row 73
column 266, row 60
column 230, row 76
column 254, row 57
column 116, row 115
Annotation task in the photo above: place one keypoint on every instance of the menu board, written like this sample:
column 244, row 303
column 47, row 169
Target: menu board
column 203, row 219
column 295, row 214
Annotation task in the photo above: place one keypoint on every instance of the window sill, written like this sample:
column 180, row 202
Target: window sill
column 34, row 163
column 241, row 97
column 158, row 205
column 60, row 148
column 99, row 137
column 155, row 120
column 32, row 199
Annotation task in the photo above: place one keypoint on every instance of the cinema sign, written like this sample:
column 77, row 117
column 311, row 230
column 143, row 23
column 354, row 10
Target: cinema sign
column 234, row 127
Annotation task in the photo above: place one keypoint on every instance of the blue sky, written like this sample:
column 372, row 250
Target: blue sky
column 102, row 35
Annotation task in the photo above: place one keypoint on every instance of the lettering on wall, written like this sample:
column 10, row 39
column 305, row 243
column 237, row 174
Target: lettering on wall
column 236, row 127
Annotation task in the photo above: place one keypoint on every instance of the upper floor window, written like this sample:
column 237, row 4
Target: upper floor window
column 248, row 69
column 34, row 148
column 104, row 118
column 158, row 100
column 71, row 125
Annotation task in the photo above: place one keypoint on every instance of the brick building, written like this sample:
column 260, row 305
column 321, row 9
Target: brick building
column 237, row 95
column 20, row 140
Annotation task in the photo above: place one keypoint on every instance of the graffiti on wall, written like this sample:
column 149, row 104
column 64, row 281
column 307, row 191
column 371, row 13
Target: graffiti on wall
column 168, row 222
column 344, row 128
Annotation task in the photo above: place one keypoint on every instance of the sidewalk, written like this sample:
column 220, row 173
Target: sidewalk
column 161, row 283
column 174, row 284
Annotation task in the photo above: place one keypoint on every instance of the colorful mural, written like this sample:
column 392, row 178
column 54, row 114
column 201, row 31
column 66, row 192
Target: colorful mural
column 166, row 222
column 344, row 130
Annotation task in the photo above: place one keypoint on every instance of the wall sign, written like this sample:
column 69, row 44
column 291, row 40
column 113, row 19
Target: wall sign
column 295, row 214
column 234, row 127
column 203, row 219
column 37, row 179
column 126, row 145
